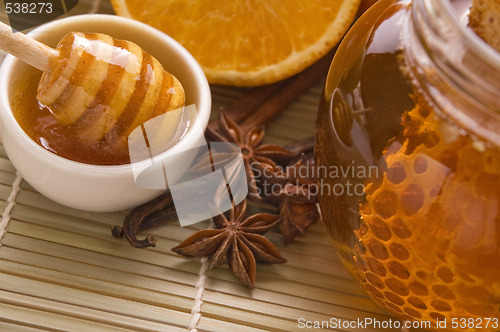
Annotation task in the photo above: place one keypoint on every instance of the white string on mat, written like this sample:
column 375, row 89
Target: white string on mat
column 198, row 299
column 11, row 202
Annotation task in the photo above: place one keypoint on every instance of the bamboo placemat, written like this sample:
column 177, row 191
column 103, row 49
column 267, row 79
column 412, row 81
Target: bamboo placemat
column 61, row 270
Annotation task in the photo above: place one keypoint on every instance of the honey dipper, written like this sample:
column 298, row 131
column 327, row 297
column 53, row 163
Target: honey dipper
column 95, row 83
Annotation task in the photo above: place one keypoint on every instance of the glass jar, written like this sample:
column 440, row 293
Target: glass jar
column 408, row 157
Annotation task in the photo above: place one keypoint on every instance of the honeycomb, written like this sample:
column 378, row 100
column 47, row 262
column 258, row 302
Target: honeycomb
column 429, row 241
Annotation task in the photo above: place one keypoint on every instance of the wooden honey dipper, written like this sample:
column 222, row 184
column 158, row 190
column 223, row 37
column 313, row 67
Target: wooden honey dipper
column 99, row 85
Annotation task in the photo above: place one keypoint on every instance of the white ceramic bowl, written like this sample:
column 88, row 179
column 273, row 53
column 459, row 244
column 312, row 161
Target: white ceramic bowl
column 91, row 187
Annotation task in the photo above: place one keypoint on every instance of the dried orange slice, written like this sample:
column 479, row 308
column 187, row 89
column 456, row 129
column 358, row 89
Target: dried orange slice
column 248, row 42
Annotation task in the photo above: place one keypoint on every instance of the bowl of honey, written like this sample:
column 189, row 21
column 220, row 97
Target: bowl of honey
column 92, row 176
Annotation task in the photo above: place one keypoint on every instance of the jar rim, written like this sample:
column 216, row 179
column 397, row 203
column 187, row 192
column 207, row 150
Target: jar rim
column 488, row 52
column 453, row 68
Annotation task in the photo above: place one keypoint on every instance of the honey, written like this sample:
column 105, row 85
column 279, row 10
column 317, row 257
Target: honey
column 430, row 226
column 40, row 125
column 97, row 92
column 424, row 238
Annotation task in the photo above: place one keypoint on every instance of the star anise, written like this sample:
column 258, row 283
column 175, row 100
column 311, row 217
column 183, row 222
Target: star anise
column 256, row 157
column 237, row 241
column 296, row 198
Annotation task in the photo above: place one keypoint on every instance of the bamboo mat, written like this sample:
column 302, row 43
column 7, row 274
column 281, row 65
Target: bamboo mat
column 61, row 270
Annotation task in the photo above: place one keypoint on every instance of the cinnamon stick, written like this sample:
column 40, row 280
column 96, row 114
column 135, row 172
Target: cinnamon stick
column 246, row 105
column 292, row 88
column 261, row 104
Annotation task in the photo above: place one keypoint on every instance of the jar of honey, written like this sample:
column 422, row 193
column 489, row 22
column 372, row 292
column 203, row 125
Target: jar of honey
column 410, row 119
